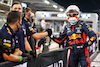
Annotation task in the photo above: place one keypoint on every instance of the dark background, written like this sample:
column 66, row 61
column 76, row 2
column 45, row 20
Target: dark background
column 84, row 5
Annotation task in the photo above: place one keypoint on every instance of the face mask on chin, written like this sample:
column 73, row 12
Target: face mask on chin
column 28, row 20
column 18, row 27
column 32, row 19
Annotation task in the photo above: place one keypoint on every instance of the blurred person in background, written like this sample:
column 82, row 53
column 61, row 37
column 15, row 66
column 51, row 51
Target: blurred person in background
column 76, row 33
column 52, row 29
column 98, row 33
column 43, row 23
column 44, row 26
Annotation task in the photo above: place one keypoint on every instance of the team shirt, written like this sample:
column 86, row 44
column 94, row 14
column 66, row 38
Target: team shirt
column 8, row 38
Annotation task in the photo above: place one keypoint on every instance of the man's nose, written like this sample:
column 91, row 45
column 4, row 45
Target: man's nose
column 17, row 9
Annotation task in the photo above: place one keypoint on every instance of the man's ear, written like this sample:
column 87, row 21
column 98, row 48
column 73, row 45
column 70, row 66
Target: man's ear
column 11, row 9
column 17, row 22
column 22, row 10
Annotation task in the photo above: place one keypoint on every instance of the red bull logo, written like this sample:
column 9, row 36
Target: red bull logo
column 76, row 41
column 92, row 38
column 74, row 36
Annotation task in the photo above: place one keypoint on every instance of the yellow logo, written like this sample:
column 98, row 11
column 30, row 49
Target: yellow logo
column 79, row 25
column 9, row 31
column 74, row 36
column 31, row 29
column 7, row 44
column 89, row 28
column 92, row 38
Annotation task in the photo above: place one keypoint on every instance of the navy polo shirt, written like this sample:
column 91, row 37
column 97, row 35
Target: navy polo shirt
column 25, row 29
column 9, row 37
column 21, row 35
column 29, row 30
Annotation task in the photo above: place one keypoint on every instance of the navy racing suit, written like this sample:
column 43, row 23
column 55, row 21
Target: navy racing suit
column 76, row 36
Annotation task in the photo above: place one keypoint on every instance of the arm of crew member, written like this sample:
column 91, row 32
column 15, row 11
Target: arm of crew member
column 40, row 35
column 27, row 45
column 11, row 57
column 17, row 52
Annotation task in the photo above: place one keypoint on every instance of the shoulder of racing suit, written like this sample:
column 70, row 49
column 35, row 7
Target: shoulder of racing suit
column 77, row 24
column 82, row 23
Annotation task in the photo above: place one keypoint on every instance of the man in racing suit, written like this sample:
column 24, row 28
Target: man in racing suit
column 76, row 33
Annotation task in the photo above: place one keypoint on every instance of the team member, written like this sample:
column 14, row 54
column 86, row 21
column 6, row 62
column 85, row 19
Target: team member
column 76, row 33
column 29, row 30
column 9, row 39
column 21, row 34
column 29, row 18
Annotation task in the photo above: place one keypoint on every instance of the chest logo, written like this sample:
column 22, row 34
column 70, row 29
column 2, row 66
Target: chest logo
column 74, row 36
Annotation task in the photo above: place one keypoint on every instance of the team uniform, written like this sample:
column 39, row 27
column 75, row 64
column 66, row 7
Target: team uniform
column 31, row 40
column 29, row 30
column 34, row 27
column 26, row 30
column 76, row 36
column 9, row 38
column 21, row 35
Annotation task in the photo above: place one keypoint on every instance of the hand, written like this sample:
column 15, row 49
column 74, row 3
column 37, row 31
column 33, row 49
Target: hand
column 27, row 55
column 52, row 36
column 33, row 53
column 43, row 40
column 85, row 44
column 49, row 32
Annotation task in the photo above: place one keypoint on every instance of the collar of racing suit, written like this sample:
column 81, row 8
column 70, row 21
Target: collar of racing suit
column 77, row 24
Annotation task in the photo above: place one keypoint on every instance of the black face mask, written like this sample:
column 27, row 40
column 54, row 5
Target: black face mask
column 18, row 27
column 32, row 19
column 28, row 20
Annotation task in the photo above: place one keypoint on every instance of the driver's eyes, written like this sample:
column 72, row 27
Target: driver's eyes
column 15, row 8
column 19, row 8
column 72, row 15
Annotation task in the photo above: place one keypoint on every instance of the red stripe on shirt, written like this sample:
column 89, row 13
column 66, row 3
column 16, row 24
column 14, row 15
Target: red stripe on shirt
column 61, row 40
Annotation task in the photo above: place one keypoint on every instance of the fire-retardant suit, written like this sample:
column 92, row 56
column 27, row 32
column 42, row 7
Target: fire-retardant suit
column 76, row 33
